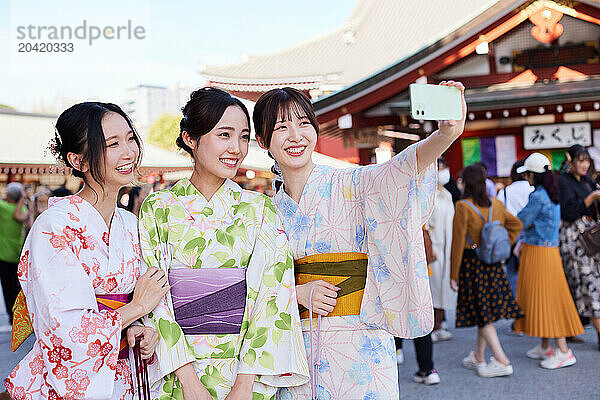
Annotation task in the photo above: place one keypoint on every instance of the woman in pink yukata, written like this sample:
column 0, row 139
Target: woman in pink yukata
column 80, row 269
column 357, row 242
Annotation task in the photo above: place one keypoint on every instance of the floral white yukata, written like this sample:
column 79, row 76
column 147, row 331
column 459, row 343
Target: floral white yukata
column 378, row 210
column 236, row 232
column 68, row 258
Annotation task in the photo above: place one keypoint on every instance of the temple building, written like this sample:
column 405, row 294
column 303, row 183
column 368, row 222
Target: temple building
column 375, row 35
column 532, row 72
column 532, row 69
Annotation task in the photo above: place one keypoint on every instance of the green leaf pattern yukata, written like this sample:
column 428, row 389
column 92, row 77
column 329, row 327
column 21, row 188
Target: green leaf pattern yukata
column 235, row 229
column 378, row 210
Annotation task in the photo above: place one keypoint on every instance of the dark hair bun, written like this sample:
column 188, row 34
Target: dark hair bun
column 202, row 113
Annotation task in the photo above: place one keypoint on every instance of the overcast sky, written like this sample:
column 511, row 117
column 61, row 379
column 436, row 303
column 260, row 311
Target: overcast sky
column 178, row 37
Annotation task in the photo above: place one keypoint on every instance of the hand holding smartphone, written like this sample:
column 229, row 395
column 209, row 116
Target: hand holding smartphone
column 435, row 102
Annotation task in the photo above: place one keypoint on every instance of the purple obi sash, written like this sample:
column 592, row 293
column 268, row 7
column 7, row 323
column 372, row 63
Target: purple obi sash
column 208, row 301
column 112, row 302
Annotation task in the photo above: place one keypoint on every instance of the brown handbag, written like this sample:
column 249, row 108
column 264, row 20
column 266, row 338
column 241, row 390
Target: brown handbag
column 429, row 253
column 590, row 237
column 590, row 240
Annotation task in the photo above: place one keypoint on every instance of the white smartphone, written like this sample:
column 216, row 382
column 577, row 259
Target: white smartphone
column 435, row 102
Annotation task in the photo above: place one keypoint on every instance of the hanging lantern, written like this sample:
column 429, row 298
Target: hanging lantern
column 547, row 28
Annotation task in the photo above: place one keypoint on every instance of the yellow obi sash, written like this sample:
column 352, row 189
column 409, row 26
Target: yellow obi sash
column 348, row 271
column 21, row 327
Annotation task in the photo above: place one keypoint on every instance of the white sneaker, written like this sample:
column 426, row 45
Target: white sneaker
column 469, row 362
column 494, row 369
column 559, row 360
column 539, row 353
column 432, row 379
column 399, row 356
column 440, row 335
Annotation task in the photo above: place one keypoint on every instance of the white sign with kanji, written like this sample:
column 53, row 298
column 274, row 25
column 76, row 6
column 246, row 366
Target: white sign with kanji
column 557, row 136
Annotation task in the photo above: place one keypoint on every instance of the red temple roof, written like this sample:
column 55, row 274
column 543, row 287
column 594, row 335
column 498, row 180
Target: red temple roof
column 375, row 35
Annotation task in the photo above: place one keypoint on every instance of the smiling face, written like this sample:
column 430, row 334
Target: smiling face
column 122, row 151
column 294, row 139
column 220, row 152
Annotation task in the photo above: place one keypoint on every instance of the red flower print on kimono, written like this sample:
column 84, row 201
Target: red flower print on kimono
column 60, row 371
column 52, row 395
column 67, row 264
column 58, row 241
column 97, row 348
column 36, row 365
column 96, row 265
column 89, row 326
column 57, row 355
column 123, row 373
column 106, row 238
column 71, row 233
column 77, row 384
column 73, row 217
column 110, row 284
column 87, row 242
column 75, row 200
column 86, row 268
column 97, row 282
column 23, row 265
column 19, row 394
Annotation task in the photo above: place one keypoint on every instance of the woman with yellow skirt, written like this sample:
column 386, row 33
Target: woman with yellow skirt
column 542, row 290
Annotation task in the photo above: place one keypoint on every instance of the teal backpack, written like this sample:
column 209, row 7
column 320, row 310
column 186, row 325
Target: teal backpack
column 495, row 243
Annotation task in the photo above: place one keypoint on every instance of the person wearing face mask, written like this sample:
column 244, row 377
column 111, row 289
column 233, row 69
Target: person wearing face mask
column 580, row 208
column 439, row 227
column 449, row 183
column 229, row 328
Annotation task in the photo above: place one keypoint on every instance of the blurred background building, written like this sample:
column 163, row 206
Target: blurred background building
column 146, row 103
column 532, row 69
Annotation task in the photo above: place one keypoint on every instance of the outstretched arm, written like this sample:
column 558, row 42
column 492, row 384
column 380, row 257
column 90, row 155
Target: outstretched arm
column 431, row 148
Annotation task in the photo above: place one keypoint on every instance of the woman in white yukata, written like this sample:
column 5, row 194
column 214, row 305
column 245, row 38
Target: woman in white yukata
column 356, row 237
column 229, row 328
column 80, row 270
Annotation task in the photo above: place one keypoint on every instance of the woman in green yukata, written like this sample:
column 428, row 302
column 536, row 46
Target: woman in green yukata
column 229, row 328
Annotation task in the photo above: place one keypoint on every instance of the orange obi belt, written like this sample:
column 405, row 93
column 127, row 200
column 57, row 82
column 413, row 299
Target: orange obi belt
column 348, row 271
column 22, row 327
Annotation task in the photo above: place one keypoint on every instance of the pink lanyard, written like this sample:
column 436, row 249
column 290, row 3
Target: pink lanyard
column 314, row 378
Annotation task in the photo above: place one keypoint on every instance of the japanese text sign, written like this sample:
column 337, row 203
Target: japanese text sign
column 557, row 136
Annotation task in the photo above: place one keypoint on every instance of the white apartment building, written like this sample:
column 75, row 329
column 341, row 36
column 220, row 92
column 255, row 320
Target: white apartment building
column 145, row 103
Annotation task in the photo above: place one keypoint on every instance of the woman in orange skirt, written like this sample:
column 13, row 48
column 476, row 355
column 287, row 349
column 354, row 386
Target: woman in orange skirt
column 542, row 290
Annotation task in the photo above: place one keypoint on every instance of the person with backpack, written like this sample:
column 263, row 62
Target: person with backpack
column 542, row 291
column 483, row 232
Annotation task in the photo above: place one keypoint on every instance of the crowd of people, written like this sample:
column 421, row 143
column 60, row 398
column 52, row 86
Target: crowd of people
column 218, row 292
column 548, row 280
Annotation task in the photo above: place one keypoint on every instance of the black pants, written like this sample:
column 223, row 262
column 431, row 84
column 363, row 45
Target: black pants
column 424, row 350
column 10, row 286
